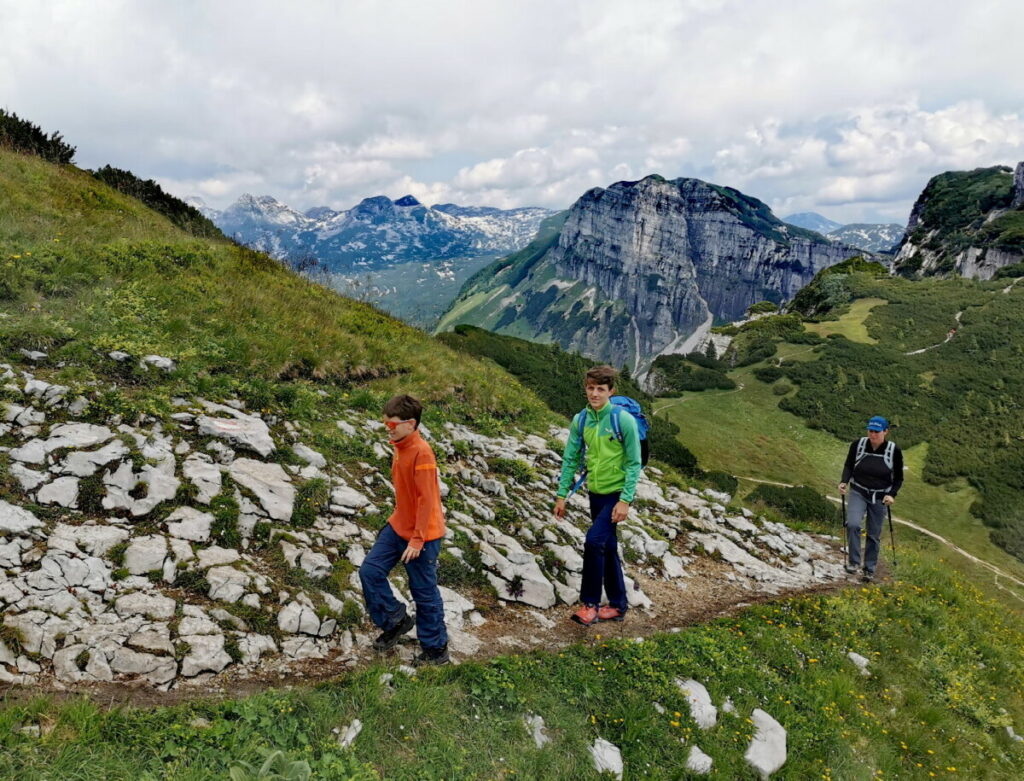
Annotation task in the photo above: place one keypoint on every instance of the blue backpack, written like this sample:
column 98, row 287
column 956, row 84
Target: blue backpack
column 619, row 403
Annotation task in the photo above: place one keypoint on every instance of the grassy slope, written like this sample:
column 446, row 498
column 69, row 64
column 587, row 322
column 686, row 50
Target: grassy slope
column 850, row 325
column 85, row 270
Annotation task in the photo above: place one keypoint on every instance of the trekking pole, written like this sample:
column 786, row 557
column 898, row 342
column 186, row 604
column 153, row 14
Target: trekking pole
column 892, row 536
column 842, row 547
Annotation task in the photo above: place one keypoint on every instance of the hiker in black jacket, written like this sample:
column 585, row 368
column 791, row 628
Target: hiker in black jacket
column 874, row 470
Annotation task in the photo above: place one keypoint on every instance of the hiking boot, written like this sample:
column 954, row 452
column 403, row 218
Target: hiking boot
column 389, row 638
column 609, row 613
column 586, row 615
column 850, row 569
column 433, row 656
column 868, row 577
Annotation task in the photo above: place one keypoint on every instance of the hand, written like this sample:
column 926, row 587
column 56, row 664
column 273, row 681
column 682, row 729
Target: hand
column 559, row 510
column 842, row 489
column 620, row 511
column 887, row 500
column 409, row 554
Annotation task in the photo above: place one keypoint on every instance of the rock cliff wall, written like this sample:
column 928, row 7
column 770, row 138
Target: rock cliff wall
column 642, row 268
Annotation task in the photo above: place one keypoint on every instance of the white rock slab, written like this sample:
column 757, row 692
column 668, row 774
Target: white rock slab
column 698, row 762
column 607, row 757
column 206, row 654
column 145, row 554
column 535, row 724
column 767, row 750
column 227, row 584
column 63, row 491
column 351, row 732
column 17, row 521
column 861, row 663
column 188, row 523
column 701, row 707
column 270, row 484
column 237, row 428
column 86, row 463
column 30, row 479
column 310, row 456
column 204, row 475
column 344, row 496
column 152, row 605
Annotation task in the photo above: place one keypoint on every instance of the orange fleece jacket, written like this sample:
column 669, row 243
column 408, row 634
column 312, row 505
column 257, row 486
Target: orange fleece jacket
column 418, row 516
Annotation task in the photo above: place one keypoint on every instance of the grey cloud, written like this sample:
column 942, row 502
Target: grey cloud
column 850, row 107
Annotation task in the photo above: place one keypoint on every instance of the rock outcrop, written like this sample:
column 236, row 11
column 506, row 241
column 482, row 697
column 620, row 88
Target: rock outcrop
column 965, row 223
column 643, row 268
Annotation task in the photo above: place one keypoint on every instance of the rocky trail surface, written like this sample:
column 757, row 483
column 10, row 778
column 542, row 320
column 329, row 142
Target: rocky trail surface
column 215, row 551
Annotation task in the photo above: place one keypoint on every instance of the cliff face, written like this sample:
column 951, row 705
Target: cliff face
column 967, row 223
column 643, row 268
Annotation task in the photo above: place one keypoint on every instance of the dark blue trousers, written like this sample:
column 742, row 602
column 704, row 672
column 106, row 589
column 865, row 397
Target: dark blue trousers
column 601, row 564
column 384, row 609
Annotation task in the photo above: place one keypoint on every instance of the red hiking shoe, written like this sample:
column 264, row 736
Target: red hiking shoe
column 609, row 613
column 586, row 615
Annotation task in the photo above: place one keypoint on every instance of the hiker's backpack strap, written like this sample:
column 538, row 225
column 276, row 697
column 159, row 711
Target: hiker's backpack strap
column 890, row 449
column 581, row 422
column 862, row 447
column 616, row 425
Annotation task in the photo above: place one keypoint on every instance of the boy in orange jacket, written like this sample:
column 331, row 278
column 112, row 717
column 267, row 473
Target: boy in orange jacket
column 412, row 535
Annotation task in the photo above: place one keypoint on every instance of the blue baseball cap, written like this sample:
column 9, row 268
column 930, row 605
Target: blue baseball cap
column 878, row 423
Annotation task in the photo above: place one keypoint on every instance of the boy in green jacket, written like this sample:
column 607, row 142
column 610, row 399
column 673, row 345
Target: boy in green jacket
column 612, row 470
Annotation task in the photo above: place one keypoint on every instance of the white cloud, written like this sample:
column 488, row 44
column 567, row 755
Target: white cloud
column 849, row 108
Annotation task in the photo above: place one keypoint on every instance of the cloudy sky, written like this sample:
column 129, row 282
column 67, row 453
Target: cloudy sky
column 841, row 107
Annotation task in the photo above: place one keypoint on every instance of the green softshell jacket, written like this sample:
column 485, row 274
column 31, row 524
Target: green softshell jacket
column 611, row 466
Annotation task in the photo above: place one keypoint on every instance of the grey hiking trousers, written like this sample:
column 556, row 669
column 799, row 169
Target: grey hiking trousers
column 856, row 506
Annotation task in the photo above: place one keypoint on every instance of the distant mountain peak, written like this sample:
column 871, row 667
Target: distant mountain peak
column 407, row 200
column 813, row 221
column 320, row 213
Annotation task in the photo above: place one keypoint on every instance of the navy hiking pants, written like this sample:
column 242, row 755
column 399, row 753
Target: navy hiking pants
column 601, row 564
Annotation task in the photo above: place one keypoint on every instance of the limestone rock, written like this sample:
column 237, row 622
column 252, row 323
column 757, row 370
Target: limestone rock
column 17, row 521
column 152, row 605
column 351, row 732
column 698, row 762
column 227, row 584
column 607, row 757
column 309, row 455
column 86, row 463
column 270, row 484
column 157, row 670
column 237, row 428
column 344, row 496
column 861, row 663
column 701, row 707
column 296, row 618
column 204, row 475
column 145, row 554
column 62, row 491
column 767, row 750
column 206, row 654
column 187, row 523
column 535, row 724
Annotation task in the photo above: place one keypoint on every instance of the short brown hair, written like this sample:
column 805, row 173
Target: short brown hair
column 601, row 375
column 405, row 407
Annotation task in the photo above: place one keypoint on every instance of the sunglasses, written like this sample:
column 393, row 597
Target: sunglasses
column 393, row 424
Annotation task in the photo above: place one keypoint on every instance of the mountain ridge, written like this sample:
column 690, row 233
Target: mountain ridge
column 375, row 232
column 643, row 268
